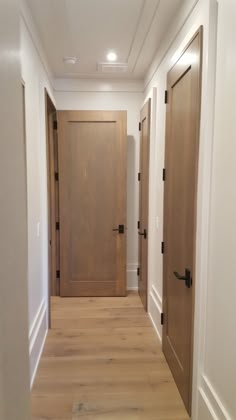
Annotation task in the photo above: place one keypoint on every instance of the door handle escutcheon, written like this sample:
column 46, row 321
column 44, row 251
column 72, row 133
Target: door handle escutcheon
column 187, row 278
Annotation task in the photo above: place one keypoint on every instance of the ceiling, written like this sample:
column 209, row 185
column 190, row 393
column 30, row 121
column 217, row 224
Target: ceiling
column 88, row 29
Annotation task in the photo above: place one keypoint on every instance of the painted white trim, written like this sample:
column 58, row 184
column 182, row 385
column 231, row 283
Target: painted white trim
column 37, row 337
column 203, row 198
column 168, row 43
column 155, row 327
column 151, row 205
column 33, row 328
column 132, row 278
column 212, row 401
column 97, row 85
column 157, row 297
column 155, row 310
column 33, row 32
column 147, row 31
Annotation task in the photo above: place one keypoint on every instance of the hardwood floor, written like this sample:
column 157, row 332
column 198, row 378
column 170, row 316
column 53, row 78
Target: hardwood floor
column 102, row 360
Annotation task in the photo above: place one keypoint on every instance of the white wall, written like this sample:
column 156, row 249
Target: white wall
column 100, row 95
column 214, row 368
column 14, row 369
column 36, row 77
column 214, row 337
column 218, row 376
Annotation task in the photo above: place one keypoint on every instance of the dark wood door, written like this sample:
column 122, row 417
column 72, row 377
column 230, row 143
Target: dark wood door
column 181, row 164
column 92, row 199
column 143, row 201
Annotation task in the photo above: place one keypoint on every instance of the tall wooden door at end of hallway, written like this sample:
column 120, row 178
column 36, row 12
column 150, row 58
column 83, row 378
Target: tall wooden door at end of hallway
column 180, row 197
column 143, row 202
column 92, row 202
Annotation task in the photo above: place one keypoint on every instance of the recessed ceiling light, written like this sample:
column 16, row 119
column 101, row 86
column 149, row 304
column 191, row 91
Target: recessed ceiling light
column 111, row 56
column 70, row 60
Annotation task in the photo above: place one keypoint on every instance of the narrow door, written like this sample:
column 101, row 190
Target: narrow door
column 92, row 200
column 53, row 207
column 181, row 165
column 143, row 201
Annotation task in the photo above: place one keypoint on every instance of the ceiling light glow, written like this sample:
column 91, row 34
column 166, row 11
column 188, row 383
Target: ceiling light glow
column 111, row 56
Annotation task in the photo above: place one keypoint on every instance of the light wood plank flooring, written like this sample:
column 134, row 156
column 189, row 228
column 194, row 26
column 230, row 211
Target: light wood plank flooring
column 102, row 360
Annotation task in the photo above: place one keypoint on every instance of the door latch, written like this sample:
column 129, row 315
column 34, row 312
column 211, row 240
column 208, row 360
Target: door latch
column 187, row 278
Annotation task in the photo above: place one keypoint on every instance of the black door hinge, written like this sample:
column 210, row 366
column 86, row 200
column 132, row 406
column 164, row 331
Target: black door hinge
column 162, row 247
column 138, row 271
column 140, row 126
column 138, row 224
column 139, row 176
column 56, row 176
column 58, row 274
column 162, row 318
column 166, row 96
column 57, row 225
column 54, row 125
column 163, row 174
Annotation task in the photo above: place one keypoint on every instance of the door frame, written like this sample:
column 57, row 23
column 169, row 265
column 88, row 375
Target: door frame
column 119, row 117
column 50, row 111
column 146, row 107
column 199, row 99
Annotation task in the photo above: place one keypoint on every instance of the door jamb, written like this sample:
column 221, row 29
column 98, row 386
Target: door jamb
column 50, row 110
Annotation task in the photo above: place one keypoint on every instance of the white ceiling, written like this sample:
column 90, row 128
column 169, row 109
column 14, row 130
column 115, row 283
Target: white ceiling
column 88, row 29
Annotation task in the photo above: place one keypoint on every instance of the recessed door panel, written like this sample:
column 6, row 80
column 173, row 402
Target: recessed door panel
column 181, row 164
column 92, row 173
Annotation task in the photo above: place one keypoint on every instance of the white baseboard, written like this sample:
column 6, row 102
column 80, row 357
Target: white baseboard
column 155, row 310
column 37, row 337
column 132, row 278
column 210, row 405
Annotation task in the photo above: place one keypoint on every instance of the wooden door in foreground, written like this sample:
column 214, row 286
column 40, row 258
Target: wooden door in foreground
column 181, row 165
column 92, row 197
column 143, row 201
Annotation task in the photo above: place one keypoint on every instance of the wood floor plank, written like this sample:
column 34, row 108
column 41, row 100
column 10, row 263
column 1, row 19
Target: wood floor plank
column 102, row 361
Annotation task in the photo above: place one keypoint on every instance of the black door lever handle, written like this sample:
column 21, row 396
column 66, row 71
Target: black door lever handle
column 120, row 229
column 187, row 278
column 144, row 234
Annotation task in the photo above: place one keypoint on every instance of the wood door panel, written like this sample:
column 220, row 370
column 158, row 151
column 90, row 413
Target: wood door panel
column 92, row 165
column 181, row 164
column 85, row 165
column 143, row 201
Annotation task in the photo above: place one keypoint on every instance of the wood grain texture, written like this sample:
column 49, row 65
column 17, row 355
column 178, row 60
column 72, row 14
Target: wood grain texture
column 180, row 192
column 143, row 201
column 102, row 360
column 52, row 196
column 92, row 195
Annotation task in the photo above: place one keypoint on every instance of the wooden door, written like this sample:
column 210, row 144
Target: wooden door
column 143, row 201
column 53, row 205
column 181, row 166
column 92, row 199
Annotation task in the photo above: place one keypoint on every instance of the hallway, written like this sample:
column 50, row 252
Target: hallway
column 102, row 360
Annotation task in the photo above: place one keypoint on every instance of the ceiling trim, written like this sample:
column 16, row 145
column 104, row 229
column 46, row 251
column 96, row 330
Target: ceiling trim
column 98, row 85
column 31, row 28
column 136, row 29
column 146, row 35
column 155, row 66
